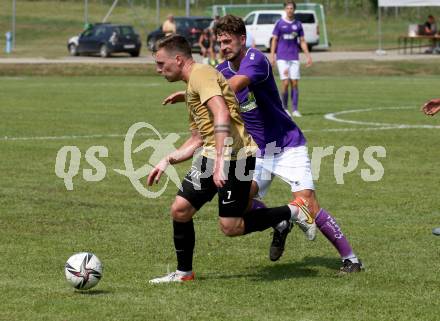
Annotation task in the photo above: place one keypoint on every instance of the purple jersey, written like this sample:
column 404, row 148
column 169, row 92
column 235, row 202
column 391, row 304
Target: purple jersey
column 288, row 33
column 260, row 104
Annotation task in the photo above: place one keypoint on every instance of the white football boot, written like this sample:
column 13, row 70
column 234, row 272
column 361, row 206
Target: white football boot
column 296, row 113
column 177, row 276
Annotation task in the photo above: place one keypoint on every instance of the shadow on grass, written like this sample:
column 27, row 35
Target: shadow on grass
column 282, row 271
column 305, row 114
column 93, row 292
column 301, row 269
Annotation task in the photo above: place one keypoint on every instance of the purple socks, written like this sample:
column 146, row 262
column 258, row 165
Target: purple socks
column 331, row 230
column 285, row 100
column 294, row 97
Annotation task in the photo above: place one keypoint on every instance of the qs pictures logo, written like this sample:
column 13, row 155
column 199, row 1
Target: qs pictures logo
column 67, row 167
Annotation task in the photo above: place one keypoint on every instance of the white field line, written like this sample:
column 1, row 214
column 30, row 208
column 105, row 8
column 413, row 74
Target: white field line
column 96, row 85
column 330, row 116
column 80, row 136
column 187, row 133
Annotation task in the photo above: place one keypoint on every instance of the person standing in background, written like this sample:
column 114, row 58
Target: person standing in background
column 430, row 29
column 288, row 39
column 205, row 46
column 169, row 25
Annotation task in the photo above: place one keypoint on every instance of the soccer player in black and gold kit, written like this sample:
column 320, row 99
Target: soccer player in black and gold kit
column 226, row 162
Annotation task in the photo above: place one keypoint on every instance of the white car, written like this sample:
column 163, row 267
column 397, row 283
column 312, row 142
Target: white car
column 260, row 25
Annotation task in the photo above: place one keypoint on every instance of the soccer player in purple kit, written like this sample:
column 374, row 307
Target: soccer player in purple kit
column 224, row 164
column 282, row 145
column 288, row 37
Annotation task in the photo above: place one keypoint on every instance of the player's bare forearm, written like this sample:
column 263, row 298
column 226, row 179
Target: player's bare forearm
column 222, row 122
column 272, row 49
column 186, row 150
column 176, row 97
column 273, row 46
column 221, row 135
column 305, row 49
column 238, row 82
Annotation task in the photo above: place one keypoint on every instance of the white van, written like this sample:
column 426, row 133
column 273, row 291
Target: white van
column 260, row 25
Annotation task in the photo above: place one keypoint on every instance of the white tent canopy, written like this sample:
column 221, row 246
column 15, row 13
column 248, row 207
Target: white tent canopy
column 401, row 3
column 409, row 3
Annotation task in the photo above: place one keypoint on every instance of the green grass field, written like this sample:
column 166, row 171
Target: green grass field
column 388, row 222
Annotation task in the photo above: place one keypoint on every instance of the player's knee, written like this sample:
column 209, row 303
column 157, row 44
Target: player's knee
column 180, row 214
column 230, row 229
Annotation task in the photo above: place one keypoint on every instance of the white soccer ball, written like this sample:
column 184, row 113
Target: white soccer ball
column 83, row 270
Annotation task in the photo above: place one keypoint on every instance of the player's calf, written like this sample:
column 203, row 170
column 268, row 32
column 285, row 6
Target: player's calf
column 309, row 198
column 301, row 215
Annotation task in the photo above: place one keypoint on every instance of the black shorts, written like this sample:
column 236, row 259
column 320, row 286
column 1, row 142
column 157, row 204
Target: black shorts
column 198, row 185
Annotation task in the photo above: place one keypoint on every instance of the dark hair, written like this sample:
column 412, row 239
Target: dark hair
column 174, row 44
column 290, row 2
column 430, row 16
column 230, row 24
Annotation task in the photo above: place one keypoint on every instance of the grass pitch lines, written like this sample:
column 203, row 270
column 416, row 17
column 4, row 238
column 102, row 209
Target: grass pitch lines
column 333, row 117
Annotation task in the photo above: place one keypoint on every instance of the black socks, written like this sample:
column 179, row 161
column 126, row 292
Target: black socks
column 184, row 240
column 254, row 220
column 263, row 218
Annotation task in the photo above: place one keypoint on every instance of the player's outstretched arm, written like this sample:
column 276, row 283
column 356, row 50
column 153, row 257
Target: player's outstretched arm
column 431, row 107
column 184, row 152
column 177, row 97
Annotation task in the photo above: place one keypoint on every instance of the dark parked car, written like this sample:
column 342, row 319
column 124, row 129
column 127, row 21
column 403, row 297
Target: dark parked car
column 189, row 27
column 105, row 39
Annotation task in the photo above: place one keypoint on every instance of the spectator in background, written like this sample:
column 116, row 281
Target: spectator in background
column 213, row 24
column 215, row 49
column 287, row 41
column 169, row 26
column 205, row 46
column 430, row 27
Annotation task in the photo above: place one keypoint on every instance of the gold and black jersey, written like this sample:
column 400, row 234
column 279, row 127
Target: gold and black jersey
column 204, row 83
